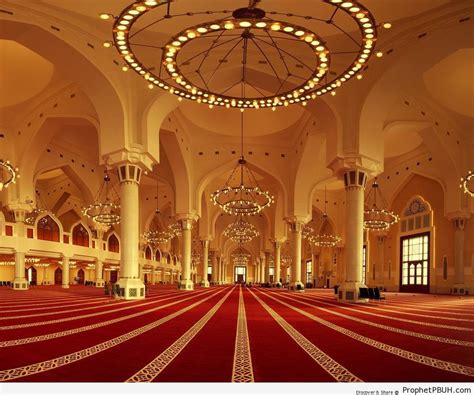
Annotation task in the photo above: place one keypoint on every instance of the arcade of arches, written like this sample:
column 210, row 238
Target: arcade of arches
column 69, row 113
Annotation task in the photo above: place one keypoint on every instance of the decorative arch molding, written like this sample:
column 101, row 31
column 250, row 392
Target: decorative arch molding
column 416, row 205
column 53, row 217
column 89, row 233
column 110, row 241
column 68, row 59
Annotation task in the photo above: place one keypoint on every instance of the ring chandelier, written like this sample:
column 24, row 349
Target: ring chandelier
column 268, row 33
column 157, row 233
column 104, row 210
column 467, row 183
column 377, row 217
column 324, row 238
column 241, row 231
column 8, row 174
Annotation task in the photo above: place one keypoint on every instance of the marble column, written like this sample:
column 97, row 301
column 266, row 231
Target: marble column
column 186, row 282
column 296, row 228
column 214, row 261
column 65, row 268
column 205, row 262
column 99, row 278
column 459, row 285
column 277, row 264
column 20, row 283
column 315, row 269
column 153, row 276
column 131, row 286
column 380, row 261
column 354, row 182
column 267, row 267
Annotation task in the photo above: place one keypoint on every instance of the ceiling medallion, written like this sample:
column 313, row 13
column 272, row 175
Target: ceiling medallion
column 8, row 174
column 467, row 183
column 376, row 216
column 241, row 231
column 104, row 210
column 324, row 238
column 193, row 61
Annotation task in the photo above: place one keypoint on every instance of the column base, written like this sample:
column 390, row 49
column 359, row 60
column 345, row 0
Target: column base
column 205, row 284
column 276, row 285
column 130, row 289
column 349, row 292
column 186, row 285
column 459, row 289
column 296, row 286
column 99, row 283
column 20, row 284
column 65, row 286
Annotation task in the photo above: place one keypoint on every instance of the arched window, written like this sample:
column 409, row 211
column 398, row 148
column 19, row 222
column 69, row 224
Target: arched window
column 113, row 243
column 158, row 256
column 148, row 252
column 80, row 236
column 47, row 229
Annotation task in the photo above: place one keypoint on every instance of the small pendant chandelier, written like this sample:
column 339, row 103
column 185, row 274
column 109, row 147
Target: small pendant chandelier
column 376, row 216
column 196, row 253
column 467, row 183
column 241, row 231
column 104, row 210
column 241, row 194
column 240, row 258
column 8, row 174
column 324, row 238
column 157, row 233
column 286, row 257
column 38, row 210
column 175, row 229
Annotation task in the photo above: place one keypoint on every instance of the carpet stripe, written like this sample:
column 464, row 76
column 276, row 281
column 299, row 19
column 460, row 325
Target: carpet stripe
column 339, row 372
column 155, row 367
column 422, row 359
column 55, row 335
column 12, row 374
column 242, row 370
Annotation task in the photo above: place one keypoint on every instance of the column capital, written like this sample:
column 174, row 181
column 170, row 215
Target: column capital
column 134, row 155
column 353, row 161
column 461, row 214
column 20, row 210
column 100, row 229
column 186, row 220
column 129, row 173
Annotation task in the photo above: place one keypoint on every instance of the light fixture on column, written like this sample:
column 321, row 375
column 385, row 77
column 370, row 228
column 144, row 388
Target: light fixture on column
column 467, row 183
column 190, row 64
column 376, row 216
column 324, row 238
column 241, row 194
column 157, row 233
column 241, row 231
column 104, row 210
column 8, row 174
column 38, row 210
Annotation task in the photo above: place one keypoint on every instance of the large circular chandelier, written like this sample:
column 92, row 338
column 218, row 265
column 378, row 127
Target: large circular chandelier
column 241, row 194
column 104, row 210
column 467, row 183
column 324, row 238
column 8, row 174
column 241, row 231
column 376, row 216
column 157, row 233
column 175, row 229
column 278, row 42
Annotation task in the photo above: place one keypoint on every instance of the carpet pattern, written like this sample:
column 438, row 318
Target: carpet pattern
column 233, row 334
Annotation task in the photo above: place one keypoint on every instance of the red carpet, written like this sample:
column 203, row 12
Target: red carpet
column 224, row 334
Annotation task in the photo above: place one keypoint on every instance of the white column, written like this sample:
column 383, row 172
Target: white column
column 295, row 274
column 205, row 260
column 257, row 270
column 131, row 285
column 222, row 271
column 380, row 261
column 19, row 282
column 354, row 181
column 214, row 277
column 315, row 270
column 459, row 286
column 277, row 265
column 186, row 226
column 267, row 267
column 65, row 268
column 99, row 277
column 153, row 274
